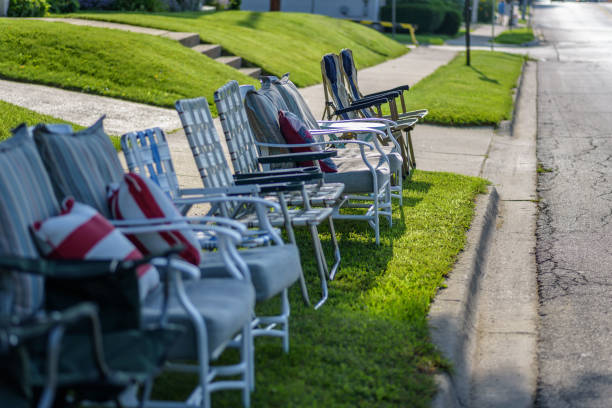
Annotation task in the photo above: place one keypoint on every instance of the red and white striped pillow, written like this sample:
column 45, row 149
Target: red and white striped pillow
column 80, row 232
column 137, row 198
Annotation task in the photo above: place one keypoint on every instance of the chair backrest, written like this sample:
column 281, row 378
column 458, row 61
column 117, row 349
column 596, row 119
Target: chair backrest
column 26, row 197
column 147, row 153
column 350, row 73
column 237, row 129
column 80, row 164
column 334, row 88
column 204, row 142
column 293, row 99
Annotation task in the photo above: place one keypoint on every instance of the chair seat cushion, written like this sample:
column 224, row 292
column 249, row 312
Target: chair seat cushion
column 354, row 173
column 137, row 198
column 272, row 268
column 225, row 304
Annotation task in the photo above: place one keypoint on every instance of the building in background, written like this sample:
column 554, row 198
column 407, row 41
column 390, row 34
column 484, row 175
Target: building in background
column 349, row 9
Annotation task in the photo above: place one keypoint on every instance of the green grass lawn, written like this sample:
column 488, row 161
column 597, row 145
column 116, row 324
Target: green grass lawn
column 480, row 94
column 276, row 42
column 425, row 39
column 12, row 115
column 136, row 67
column 369, row 345
column 515, row 36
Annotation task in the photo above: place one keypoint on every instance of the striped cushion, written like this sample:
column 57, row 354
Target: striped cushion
column 262, row 112
column 26, row 195
column 80, row 164
column 140, row 198
column 80, row 232
column 294, row 101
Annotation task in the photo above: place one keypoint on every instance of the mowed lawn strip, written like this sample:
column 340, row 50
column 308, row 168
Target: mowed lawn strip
column 515, row 36
column 369, row 345
column 277, row 42
column 12, row 116
column 458, row 95
column 119, row 64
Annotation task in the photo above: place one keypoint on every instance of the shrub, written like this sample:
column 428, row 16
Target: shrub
column 427, row 17
column 97, row 4
column 182, row 5
column 139, row 5
column 63, row 6
column 27, row 8
column 451, row 23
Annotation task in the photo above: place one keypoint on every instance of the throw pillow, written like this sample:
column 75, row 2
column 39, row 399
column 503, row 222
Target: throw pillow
column 80, row 232
column 295, row 132
column 139, row 198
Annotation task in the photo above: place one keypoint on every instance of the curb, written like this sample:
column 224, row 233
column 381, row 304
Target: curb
column 452, row 318
column 506, row 127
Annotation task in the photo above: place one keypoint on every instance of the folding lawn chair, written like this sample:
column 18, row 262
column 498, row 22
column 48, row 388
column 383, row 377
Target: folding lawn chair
column 246, row 161
column 214, row 170
column 297, row 105
column 215, row 312
column 339, row 103
column 366, row 177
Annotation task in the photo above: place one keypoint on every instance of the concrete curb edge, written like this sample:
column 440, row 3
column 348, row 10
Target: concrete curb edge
column 452, row 318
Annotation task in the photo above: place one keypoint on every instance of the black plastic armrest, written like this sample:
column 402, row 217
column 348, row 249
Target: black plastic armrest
column 388, row 95
column 76, row 269
column 277, row 172
column 287, row 178
column 298, row 157
column 398, row 89
column 281, row 187
column 358, row 106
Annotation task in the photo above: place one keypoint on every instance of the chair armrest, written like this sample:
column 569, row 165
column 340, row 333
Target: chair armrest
column 388, row 95
column 365, row 104
column 297, row 157
column 263, row 179
column 402, row 88
column 278, row 172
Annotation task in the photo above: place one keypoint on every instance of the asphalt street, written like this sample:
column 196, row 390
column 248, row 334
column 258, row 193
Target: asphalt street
column 574, row 228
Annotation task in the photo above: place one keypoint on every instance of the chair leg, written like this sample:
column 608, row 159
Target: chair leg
column 336, row 247
column 246, row 354
column 412, row 158
column 321, row 264
column 285, row 310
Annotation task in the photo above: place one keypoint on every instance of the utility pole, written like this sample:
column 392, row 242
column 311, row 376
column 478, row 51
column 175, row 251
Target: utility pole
column 393, row 19
column 467, row 14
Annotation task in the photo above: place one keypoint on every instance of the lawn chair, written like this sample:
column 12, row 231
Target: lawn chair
column 96, row 367
column 214, row 171
column 246, row 163
column 215, row 312
column 366, row 178
column 338, row 103
column 147, row 153
column 297, row 105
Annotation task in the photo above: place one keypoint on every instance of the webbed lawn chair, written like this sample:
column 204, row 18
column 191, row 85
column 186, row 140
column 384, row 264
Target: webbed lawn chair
column 297, row 105
column 246, row 161
column 366, row 177
column 215, row 312
column 215, row 173
column 147, row 153
column 339, row 103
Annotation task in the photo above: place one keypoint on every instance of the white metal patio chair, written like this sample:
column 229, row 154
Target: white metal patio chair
column 366, row 177
column 215, row 312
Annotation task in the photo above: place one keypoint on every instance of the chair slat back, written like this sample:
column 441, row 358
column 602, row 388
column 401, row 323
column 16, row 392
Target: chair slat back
column 236, row 128
column 294, row 100
column 350, row 73
column 26, row 197
column 147, row 153
column 204, row 142
column 334, row 85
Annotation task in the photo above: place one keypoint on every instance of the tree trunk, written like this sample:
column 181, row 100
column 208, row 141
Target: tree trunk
column 275, row 5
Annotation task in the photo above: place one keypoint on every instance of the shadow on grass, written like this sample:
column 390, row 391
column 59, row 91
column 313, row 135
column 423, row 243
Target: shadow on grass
column 483, row 76
column 250, row 21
